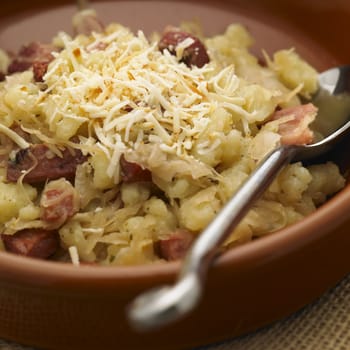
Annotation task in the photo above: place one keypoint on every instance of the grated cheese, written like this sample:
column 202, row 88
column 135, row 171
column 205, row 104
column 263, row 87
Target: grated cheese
column 74, row 256
column 20, row 141
column 128, row 93
column 180, row 48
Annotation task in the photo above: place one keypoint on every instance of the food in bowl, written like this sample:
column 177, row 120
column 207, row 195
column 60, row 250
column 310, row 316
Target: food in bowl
column 119, row 149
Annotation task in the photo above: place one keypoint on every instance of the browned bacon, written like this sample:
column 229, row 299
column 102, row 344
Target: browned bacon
column 59, row 201
column 194, row 55
column 175, row 246
column 37, row 243
column 42, row 164
column 34, row 55
column 296, row 131
column 132, row 172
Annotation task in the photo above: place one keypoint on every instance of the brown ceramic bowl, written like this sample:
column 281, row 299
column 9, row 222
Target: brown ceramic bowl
column 57, row 306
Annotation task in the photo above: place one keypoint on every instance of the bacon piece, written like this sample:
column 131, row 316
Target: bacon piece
column 132, row 172
column 42, row 164
column 175, row 246
column 86, row 22
column 37, row 243
column 295, row 130
column 194, row 54
column 35, row 55
column 59, row 201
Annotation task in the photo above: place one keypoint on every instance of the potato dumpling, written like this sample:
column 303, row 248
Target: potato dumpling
column 13, row 197
column 101, row 179
column 326, row 180
column 134, row 193
column 218, row 143
column 294, row 71
column 196, row 212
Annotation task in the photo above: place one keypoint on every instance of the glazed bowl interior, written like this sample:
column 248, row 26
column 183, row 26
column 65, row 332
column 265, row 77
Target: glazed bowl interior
column 315, row 29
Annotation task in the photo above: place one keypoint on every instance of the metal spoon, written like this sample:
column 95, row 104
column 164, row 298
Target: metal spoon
column 166, row 304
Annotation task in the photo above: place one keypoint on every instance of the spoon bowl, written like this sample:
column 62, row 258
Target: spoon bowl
column 163, row 305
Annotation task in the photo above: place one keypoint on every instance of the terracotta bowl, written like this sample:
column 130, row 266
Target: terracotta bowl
column 57, row 306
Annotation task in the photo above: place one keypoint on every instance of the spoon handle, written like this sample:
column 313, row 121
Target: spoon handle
column 206, row 245
column 163, row 305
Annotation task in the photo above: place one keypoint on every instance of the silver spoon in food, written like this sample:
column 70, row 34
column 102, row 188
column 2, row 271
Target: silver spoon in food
column 165, row 304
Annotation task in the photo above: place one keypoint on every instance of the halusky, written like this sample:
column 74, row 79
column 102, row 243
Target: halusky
column 157, row 138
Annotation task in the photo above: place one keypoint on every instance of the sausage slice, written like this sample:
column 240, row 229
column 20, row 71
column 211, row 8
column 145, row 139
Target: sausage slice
column 35, row 55
column 59, row 202
column 195, row 54
column 43, row 165
column 132, row 172
column 36, row 243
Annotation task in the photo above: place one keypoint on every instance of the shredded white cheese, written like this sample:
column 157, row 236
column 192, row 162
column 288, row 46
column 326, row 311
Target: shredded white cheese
column 74, row 256
column 129, row 93
column 20, row 141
